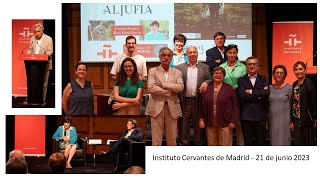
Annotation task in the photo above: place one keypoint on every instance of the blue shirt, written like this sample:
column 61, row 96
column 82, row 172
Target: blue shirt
column 151, row 36
column 176, row 60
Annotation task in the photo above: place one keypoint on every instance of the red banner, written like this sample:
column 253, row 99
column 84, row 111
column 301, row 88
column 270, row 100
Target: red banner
column 29, row 135
column 292, row 42
column 22, row 31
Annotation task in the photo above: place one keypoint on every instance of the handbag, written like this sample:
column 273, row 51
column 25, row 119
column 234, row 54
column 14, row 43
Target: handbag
column 111, row 101
column 110, row 98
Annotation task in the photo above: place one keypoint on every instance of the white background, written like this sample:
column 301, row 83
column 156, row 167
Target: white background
column 36, row 9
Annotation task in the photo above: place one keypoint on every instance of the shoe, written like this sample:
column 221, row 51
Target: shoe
column 180, row 142
column 115, row 169
column 68, row 166
column 106, row 154
column 44, row 104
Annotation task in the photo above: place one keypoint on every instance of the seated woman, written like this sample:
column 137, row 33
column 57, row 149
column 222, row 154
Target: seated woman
column 78, row 97
column 128, row 89
column 67, row 137
column 218, row 109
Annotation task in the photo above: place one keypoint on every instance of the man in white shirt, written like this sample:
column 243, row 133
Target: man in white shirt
column 139, row 60
column 194, row 75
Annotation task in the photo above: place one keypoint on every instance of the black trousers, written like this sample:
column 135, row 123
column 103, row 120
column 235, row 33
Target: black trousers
column 118, row 149
column 35, row 79
column 253, row 130
column 302, row 136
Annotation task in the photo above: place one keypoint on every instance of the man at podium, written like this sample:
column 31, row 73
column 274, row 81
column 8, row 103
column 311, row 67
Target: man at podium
column 40, row 43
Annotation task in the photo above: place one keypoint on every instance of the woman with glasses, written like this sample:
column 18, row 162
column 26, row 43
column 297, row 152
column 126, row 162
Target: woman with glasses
column 218, row 110
column 234, row 70
column 303, row 107
column 279, row 108
column 179, row 56
column 128, row 89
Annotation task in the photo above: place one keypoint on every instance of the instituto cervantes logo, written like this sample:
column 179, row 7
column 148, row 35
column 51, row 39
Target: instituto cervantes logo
column 26, row 32
column 292, row 45
column 25, row 35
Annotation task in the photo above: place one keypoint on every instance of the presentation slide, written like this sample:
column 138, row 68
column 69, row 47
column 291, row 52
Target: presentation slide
column 104, row 28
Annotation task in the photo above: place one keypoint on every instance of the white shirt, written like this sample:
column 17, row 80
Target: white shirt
column 192, row 74
column 129, row 132
column 166, row 73
column 253, row 79
column 221, row 52
column 38, row 44
column 138, row 59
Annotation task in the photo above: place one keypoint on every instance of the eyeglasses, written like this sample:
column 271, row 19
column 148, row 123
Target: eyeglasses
column 217, row 73
column 279, row 73
column 252, row 64
column 217, row 39
column 127, row 67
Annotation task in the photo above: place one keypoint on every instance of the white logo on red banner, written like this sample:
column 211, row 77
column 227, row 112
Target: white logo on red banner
column 292, row 45
column 26, row 32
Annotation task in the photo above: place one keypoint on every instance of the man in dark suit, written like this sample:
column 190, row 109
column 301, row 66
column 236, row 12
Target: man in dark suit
column 216, row 55
column 253, row 91
column 132, row 133
column 194, row 74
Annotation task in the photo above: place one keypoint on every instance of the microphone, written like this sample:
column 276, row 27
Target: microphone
column 27, row 47
column 65, row 133
column 45, row 51
column 311, row 58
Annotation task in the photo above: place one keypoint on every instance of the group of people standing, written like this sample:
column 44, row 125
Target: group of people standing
column 218, row 96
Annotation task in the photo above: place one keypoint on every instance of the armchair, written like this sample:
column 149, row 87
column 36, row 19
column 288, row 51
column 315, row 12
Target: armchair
column 81, row 153
column 133, row 154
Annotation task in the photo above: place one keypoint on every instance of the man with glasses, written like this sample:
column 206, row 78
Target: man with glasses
column 164, row 84
column 216, row 55
column 253, row 91
column 131, row 52
column 132, row 133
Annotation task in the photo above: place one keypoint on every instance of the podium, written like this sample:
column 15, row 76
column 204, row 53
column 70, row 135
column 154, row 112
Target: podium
column 36, row 67
column 311, row 70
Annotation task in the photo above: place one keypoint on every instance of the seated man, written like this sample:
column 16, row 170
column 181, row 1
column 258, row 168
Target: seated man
column 67, row 137
column 132, row 133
